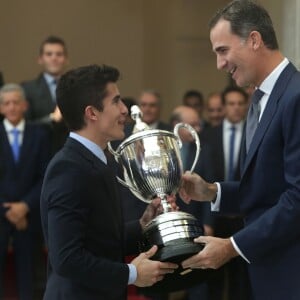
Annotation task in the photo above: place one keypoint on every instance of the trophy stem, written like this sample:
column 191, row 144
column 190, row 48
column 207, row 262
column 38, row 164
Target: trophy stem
column 165, row 204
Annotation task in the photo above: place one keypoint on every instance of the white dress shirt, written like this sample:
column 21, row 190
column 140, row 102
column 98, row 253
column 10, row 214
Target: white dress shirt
column 52, row 84
column 9, row 127
column 226, row 143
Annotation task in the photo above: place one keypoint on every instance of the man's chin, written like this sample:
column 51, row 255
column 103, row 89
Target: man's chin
column 119, row 137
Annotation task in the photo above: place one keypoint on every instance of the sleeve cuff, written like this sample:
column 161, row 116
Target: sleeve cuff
column 132, row 273
column 216, row 205
column 237, row 249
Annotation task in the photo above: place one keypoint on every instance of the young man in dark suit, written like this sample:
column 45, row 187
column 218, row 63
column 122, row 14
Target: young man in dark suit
column 40, row 92
column 24, row 154
column 80, row 206
column 268, row 195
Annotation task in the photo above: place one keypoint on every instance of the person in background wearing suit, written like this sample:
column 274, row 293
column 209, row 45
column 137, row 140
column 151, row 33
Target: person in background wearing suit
column 24, row 154
column 80, row 206
column 225, row 142
column 150, row 104
column 267, row 195
column 40, row 92
column 225, row 139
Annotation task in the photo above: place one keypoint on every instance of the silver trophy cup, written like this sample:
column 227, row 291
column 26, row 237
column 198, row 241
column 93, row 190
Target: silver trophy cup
column 152, row 168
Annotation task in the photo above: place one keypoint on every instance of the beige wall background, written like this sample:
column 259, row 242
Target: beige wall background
column 160, row 44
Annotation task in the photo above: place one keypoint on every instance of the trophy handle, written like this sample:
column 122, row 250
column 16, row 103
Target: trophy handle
column 194, row 133
column 116, row 156
column 126, row 184
column 113, row 152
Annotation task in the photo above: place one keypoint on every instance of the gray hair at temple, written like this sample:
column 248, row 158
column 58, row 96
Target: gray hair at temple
column 12, row 87
column 246, row 16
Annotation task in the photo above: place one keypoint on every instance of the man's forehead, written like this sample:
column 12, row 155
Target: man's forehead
column 148, row 98
column 220, row 32
column 112, row 89
column 52, row 47
column 11, row 94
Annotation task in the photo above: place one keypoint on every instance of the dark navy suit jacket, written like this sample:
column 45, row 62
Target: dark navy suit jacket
column 41, row 105
column 83, row 227
column 39, row 97
column 269, row 195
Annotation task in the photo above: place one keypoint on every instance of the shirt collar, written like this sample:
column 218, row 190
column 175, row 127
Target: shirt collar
column 9, row 126
column 93, row 147
column 227, row 125
column 49, row 78
column 269, row 82
column 153, row 125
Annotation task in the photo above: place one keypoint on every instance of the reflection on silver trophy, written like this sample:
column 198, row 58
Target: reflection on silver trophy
column 152, row 168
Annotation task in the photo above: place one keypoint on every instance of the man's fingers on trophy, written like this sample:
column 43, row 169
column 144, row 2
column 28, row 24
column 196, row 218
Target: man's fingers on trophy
column 183, row 195
column 151, row 251
column 192, row 262
column 172, row 201
column 167, row 267
column 202, row 240
column 156, row 202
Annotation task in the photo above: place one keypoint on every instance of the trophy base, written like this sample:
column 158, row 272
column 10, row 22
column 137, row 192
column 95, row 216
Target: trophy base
column 177, row 251
column 174, row 234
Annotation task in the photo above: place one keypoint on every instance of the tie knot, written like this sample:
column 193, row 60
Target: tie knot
column 257, row 95
column 15, row 131
column 232, row 128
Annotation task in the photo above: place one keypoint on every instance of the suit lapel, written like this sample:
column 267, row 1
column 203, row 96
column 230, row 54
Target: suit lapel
column 44, row 93
column 112, row 188
column 108, row 176
column 269, row 112
column 25, row 147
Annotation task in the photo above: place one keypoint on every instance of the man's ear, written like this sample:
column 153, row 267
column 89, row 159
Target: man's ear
column 40, row 60
column 91, row 113
column 25, row 106
column 255, row 40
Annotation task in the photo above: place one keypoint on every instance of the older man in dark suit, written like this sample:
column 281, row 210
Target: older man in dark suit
column 267, row 194
column 80, row 206
column 24, row 153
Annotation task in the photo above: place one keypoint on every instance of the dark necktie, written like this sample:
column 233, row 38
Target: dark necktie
column 15, row 143
column 253, row 117
column 231, row 168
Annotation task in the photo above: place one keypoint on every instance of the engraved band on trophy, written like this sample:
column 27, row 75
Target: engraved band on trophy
column 152, row 167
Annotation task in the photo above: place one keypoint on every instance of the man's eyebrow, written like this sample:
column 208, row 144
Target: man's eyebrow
column 219, row 48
